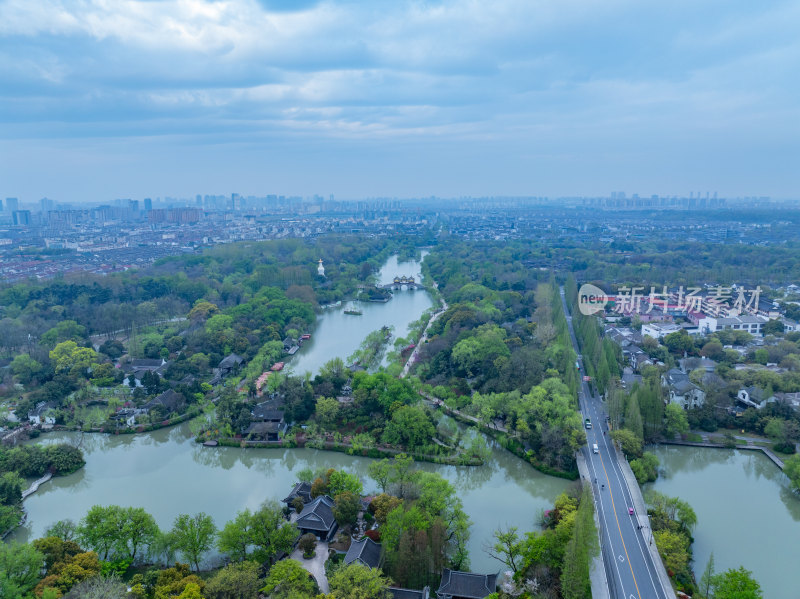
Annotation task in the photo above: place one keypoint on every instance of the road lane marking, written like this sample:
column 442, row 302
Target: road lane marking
column 623, row 483
column 589, row 404
column 619, row 528
column 604, row 518
column 626, row 495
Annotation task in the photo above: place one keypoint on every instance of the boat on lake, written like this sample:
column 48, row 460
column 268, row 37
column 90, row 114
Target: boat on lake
column 353, row 311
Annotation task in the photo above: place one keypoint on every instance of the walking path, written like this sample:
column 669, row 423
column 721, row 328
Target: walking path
column 440, row 404
column 11, row 437
column 413, row 357
column 148, row 324
column 35, row 485
column 316, row 565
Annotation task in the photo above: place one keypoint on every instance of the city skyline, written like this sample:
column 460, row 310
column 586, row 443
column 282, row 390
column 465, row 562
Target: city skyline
column 510, row 98
column 237, row 201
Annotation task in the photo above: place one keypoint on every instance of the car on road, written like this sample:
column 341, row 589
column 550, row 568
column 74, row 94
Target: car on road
column 630, row 511
column 588, row 423
column 595, row 448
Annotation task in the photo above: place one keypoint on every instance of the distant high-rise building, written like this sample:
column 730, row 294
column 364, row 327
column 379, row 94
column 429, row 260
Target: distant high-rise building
column 133, row 205
column 198, row 200
column 1, row 205
column 21, row 217
column 46, row 205
column 148, row 204
column 12, row 204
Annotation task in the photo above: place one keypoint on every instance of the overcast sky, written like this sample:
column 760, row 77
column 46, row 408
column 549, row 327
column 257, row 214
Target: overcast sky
column 101, row 99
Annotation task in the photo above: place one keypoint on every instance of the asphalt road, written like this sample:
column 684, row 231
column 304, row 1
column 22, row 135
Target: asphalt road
column 628, row 563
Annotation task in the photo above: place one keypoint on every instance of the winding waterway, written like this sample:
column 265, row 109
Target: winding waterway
column 746, row 513
column 167, row 473
column 340, row 334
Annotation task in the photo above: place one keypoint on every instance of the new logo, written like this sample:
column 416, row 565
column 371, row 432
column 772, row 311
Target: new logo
column 591, row 299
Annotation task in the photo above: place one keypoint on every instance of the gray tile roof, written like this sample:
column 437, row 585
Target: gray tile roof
column 755, row 393
column 230, row 361
column 466, row 584
column 317, row 515
column 262, row 429
column 683, row 386
column 265, row 411
column 169, row 399
column 366, row 551
column 398, row 593
column 301, row 490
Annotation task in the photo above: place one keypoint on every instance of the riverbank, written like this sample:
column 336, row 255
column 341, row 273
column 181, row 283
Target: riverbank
column 349, row 449
column 25, row 494
column 193, row 412
column 423, row 338
column 746, row 446
column 340, row 335
column 45, row 461
column 142, row 470
column 504, row 439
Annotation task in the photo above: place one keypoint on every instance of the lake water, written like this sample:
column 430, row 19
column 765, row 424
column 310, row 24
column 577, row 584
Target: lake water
column 746, row 513
column 340, row 334
column 166, row 473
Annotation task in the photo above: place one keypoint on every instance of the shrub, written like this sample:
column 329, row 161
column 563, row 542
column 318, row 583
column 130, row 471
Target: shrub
column 333, row 563
column 307, row 544
column 375, row 535
column 784, row 447
column 645, row 469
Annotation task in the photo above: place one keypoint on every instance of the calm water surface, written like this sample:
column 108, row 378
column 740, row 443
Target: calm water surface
column 746, row 513
column 340, row 334
column 167, row 473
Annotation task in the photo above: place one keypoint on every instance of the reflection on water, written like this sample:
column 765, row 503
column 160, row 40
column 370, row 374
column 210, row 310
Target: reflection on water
column 167, row 473
column 746, row 513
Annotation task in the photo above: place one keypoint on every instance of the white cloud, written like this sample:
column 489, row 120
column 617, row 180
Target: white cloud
column 562, row 74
